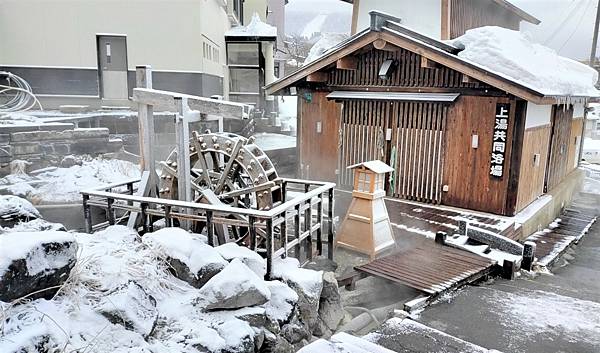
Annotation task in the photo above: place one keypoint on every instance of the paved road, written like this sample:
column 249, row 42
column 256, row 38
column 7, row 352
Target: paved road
column 558, row 312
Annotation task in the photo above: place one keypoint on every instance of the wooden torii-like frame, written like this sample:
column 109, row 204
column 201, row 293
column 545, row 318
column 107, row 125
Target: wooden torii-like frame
column 187, row 109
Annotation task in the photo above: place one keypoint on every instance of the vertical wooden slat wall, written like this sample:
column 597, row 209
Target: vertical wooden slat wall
column 417, row 136
column 562, row 117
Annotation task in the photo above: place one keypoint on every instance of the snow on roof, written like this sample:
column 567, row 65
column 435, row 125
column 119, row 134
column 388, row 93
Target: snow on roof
column 376, row 166
column 512, row 55
column 256, row 28
column 327, row 42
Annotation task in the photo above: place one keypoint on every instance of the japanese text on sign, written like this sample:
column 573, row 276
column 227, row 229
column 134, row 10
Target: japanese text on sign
column 499, row 140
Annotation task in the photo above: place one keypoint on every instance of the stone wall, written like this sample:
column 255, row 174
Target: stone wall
column 44, row 146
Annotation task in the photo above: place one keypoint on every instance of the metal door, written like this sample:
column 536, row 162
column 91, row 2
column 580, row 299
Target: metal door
column 112, row 66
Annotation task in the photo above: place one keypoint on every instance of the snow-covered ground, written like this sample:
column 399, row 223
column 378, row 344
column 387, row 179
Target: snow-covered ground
column 62, row 185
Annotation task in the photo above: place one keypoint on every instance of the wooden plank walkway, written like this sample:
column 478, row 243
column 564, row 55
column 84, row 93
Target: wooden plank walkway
column 430, row 268
column 551, row 243
column 426, row 218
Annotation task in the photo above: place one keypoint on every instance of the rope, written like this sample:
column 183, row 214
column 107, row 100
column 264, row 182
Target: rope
column 19, row 94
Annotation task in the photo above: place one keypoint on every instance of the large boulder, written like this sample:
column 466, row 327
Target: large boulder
column 331, row 310
column 282, row 303
column 254, row 261
column 14, row 209
column 129, row 305
column 35, row 264
column 189, row 258
column 237, row 286
column 306, row 283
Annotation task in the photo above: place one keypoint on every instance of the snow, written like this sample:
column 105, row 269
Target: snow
column 190, row 249
column 512, row 55
column 483, row 250
column 15, row 205
column 590, row 144
column 248, row 257
column 541, row 311
column 270, row 141
column 309, row 281
column 234, row 279
column 29, row 246
column 326, row 42
column 314, row 26
column 256, row 28
column 282, row 303
column 107, row 260
column 62, row 185
column 532, row 209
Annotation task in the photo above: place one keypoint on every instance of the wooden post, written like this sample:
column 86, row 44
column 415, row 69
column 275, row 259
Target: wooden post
column 320, row 229
column 143, row 76
column 87, row 214
column 284, row 239
column 110, row 213
column 144, row 216
column 210, row 230
column 168, row 220
column 308, row 226
column 269, row 245
column 330, row 234
column 252, row 231
column 182, row 137
column 440, row 238
column 297, row 232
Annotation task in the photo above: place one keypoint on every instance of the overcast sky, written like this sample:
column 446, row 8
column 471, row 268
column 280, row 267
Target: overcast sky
column 567, row 25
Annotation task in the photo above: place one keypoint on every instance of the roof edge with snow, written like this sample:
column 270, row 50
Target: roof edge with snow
column 396, row 34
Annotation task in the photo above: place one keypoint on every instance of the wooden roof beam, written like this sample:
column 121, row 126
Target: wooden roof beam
column 381, row 44
column 428, row 63
column 467, row 79
column 347, row 63
column 318, row 76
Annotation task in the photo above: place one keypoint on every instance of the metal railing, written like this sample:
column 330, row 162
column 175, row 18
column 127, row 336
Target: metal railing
column 294, row 226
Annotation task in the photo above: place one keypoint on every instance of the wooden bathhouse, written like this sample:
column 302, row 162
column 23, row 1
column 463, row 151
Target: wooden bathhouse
column 455, row 133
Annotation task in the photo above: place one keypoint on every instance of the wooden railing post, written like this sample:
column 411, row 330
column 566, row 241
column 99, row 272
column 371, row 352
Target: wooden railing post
column 110, row 213
column 144, row 217
column 210, row 230
column 330, row 234
column 308, row 225
column 269, row 246
column 168, row 220
column 87, row 214
column 284, row 239
column 252, row 231
column 320, row 222
column 297, row 232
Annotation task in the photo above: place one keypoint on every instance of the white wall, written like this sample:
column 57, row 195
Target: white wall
column 537, row 115
column 424, row 16
column 164, row 34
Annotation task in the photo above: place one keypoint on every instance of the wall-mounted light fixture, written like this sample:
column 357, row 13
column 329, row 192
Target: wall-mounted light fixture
column 387, row 69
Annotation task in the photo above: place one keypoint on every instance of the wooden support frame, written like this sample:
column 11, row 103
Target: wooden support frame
column 347, row 63
column 429, row 64
column 319, row 76
column 381, row 44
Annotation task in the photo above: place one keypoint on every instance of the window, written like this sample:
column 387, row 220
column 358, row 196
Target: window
column 244, row 80
column 242, row 54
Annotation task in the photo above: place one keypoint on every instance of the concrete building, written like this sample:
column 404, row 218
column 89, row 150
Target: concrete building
column 85, row 52
column 442, row 19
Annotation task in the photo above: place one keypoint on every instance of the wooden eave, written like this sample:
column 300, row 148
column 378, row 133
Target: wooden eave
column 428, row 51
column 519, row 12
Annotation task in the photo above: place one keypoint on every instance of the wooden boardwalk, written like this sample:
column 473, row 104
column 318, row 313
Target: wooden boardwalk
column 430, row 268
column 551, row 243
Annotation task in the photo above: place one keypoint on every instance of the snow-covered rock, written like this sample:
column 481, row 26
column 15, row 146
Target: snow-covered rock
column 14, row 209
column 36, row 225
column 282, row 303
column 189, row 258
column 254, row 261
column 331, row 310
column 511, row 54
column 35, row 263
column 307, row 284
column 237, row 286
column 129, row 305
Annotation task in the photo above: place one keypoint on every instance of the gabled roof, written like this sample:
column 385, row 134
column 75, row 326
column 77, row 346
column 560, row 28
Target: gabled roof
column 388, row 29
column 375, row 166
column 507, row 5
